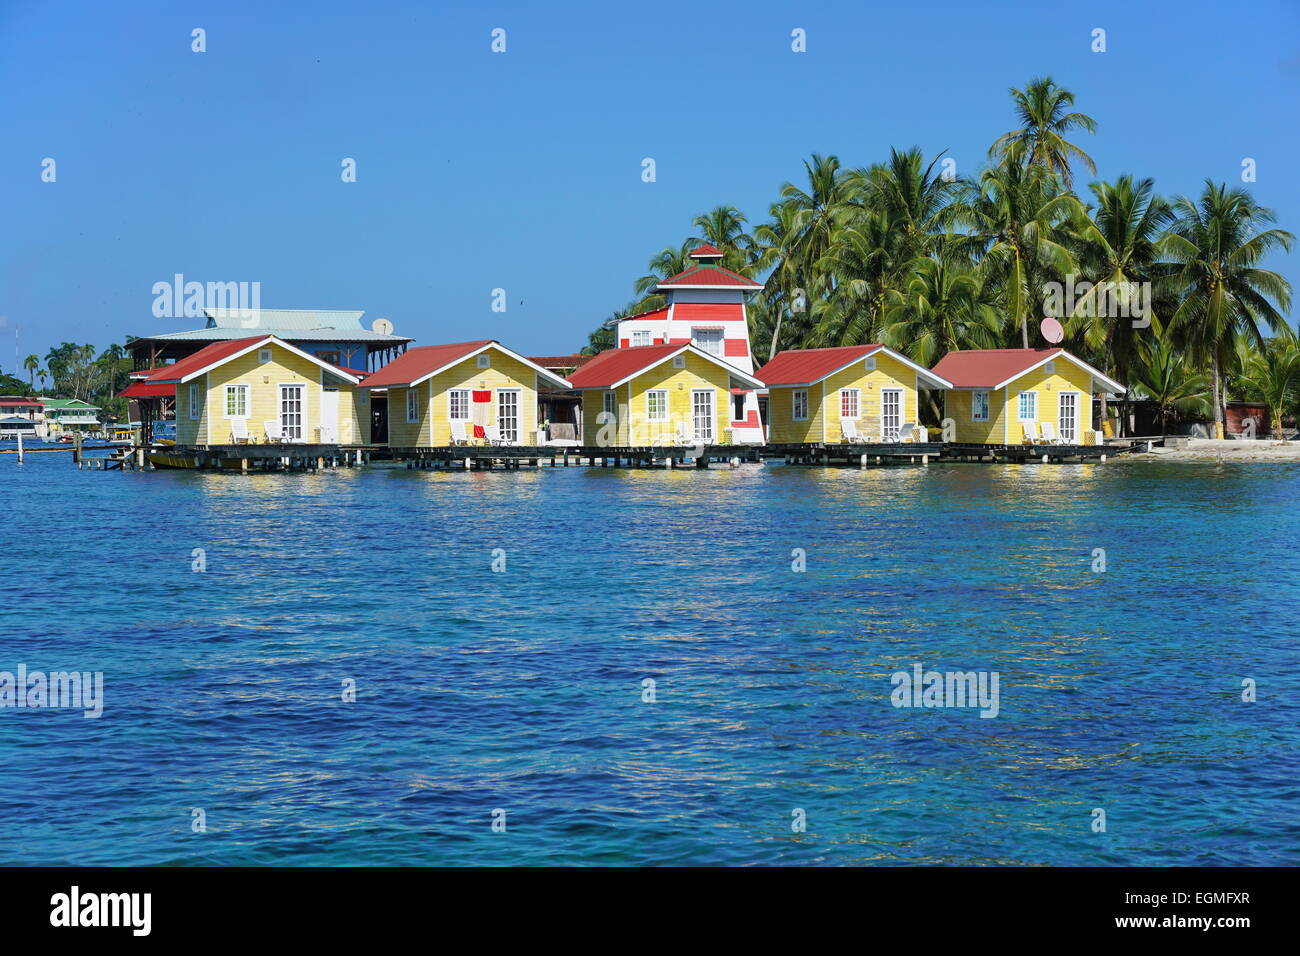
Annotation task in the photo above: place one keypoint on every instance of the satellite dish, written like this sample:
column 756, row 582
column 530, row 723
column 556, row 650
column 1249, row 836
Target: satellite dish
column 382, row 326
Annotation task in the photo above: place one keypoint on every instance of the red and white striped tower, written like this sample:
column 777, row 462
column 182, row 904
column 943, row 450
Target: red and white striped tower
column 706, row 306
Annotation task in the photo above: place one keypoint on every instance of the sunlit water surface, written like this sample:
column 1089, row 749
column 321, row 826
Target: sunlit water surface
column 522, row 690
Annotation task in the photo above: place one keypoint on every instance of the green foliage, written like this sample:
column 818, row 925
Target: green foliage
column 908, row 253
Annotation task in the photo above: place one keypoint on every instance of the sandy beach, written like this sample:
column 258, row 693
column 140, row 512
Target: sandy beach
column 1211, row 449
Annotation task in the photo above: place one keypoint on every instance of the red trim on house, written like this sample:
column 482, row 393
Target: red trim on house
column 708, row 312
column 735, row 347
column 624, row 343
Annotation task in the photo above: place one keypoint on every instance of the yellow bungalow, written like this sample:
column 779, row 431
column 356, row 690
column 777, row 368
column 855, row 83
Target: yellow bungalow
column 262, row 389
column 469, row 392
column 1014, row 396
column 852, row 393
column 674, row 394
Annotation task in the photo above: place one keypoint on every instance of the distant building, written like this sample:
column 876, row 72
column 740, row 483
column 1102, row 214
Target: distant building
column 335, row 337
column 64, row 415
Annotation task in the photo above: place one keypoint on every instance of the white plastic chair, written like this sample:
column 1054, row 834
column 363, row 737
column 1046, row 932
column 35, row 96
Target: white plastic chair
column 1031, row 432
column 905, row 433
column 274, row 432
column 458, row 436
column 1049, row 434
column 492, row 434
column 238, row 431
column 849, row 426
column 686, row 434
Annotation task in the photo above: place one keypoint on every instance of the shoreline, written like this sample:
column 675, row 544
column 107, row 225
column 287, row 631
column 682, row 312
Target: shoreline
column 1214, row 449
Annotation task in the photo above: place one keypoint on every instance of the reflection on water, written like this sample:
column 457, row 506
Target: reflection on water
column 523, row 688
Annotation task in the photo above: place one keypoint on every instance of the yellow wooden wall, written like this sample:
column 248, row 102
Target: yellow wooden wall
column 263, row 380
column 434, row 425
column 781, row 426
column 1004, row 425
column 823, row 422
column 1067, row 377
column 634, row 426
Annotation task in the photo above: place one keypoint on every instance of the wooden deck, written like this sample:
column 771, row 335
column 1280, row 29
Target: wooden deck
column 312, row 457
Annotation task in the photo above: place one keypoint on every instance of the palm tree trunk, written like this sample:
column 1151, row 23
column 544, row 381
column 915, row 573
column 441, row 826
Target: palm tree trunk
column 1221, row 430
column 1024, row 331
column 776, row 332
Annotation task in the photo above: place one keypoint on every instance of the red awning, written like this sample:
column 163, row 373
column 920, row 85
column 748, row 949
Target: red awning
column 148, row 390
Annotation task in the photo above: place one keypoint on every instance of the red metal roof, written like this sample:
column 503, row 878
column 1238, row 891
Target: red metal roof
column 804, row 366
column 559, row 361
column 989, row 368
column 650, row 315
column 417, row 362
column 705, row 251
column 710, row 275
column 148, row 390
column 201, row 359
column 21, row 403
column 614, row 365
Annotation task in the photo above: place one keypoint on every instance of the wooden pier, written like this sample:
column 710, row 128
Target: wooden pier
column 315, row 457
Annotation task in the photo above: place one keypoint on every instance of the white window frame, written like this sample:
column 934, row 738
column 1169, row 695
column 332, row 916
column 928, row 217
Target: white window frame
column 1076, row 420
column 609, row 405
column 721, row 340
column 195, row 405
column 484, row 360
column 662, row 393
column 887, row 431
column 869, row 363
column 640, row 338
column 263, row 356
column 697, row 393
column 679, row 361
column 451, row 404
column 800, row 398
column 241, row 390
column 856, row 393
column 511, row 436
column 973, row 406
column 412, row 406
column 1020, row 406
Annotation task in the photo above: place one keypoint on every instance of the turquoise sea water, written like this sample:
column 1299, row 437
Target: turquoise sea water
column 522, row 690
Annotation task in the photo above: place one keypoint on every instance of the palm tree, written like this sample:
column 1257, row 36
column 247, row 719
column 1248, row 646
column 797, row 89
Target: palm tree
column 31, row 363
column 783, row 303
column 944, row 307
column 1216, row 247
column 1273, row 376
column 1017, row 215
column 1042, row 108
column 1160, row 374
column 815, row 214
column 917, row 202
column 1118, row 247
column 723, row 227
column 665, row 264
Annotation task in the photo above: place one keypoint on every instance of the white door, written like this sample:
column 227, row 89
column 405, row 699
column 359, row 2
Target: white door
column 891, row 413
column 508, row 414
column 291, row 411
column 1069, row 417
column 702, row 414
column 329, row 415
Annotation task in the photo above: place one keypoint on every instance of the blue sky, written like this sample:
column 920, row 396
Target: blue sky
column 522, row 170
